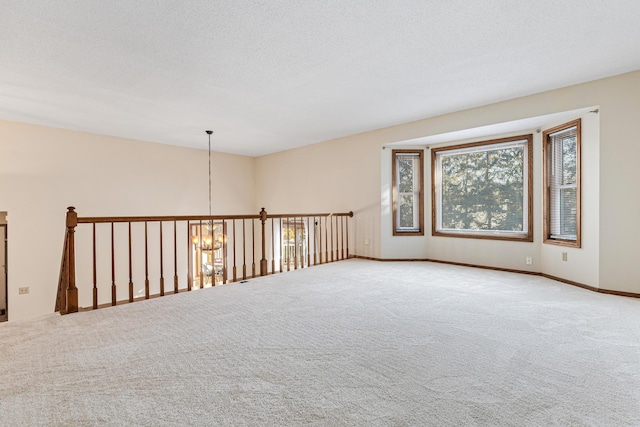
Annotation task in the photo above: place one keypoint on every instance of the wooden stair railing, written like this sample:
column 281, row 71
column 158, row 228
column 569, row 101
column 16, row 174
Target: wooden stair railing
column 205, row 251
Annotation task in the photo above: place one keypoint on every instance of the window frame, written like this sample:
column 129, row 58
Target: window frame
column 546, row 153
column 525, row 236
column 394, row 190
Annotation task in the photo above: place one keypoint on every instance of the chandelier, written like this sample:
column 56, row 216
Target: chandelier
column 200, row 239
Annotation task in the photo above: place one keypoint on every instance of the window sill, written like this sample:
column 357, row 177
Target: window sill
column 408, row 233
column 486, row 236
column 560, row 242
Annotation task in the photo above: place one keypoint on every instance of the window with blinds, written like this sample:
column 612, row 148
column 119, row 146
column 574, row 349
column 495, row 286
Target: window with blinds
column 483, row 190
column 408, row 197
column 562, row 184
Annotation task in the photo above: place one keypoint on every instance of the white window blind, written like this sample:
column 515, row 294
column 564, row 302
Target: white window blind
column 407, row 192
column 563, row 183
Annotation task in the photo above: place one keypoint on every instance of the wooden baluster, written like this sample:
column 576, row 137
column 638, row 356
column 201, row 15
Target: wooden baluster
column 347, row 223
column 299, row 227
column 72, row 290
column 326, row 254
column 161, row 264
column 244, row 253
column 285, row 247
column 199, row 261
column 342, row 221
column 214, row 244
column 327, row 244
column 253, row 246
column 295, row 244
column 293, row 256
column 301, row 246
column 308, row 235
column 114, row 293
column 315, row 240
column 175, row 257
column 332, row 221
column 338, row 228
column 281, row 244
column 235, row 276
column 338, row 225
column 318, row 230
column 146, row 263
column 329, row 226
column 320, row 240
column 301, row 237
column 300, row 232
column 224, row 251
column 288, row 247
column 130, row 268
column 337, row 238
column 273, row 249
column 301, row 240
column 334, row 241
column 95, row 280
column 326, row 239
column 189, row 257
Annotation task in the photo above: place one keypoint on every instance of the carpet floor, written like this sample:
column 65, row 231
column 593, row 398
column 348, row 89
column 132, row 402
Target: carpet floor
column 352, row 343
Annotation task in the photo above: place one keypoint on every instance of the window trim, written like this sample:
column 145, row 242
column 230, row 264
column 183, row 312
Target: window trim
column 496, row 235
column 394, row 195
column 546, row 203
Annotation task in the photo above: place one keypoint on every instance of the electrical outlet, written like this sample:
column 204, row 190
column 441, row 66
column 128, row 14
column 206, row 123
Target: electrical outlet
column 366, row 242
column 23, row 291
column 529, row 260
column 564, row 256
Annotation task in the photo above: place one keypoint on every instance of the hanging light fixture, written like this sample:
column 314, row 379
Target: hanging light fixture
column 205, row 242
column 209, row 132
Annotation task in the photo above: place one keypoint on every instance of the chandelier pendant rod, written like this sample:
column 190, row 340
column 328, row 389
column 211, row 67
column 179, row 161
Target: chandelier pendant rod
column 209, row 132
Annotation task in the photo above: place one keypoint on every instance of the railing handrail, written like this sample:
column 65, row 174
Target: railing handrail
column 167, row 218
column 164, row 218
column 349, row 214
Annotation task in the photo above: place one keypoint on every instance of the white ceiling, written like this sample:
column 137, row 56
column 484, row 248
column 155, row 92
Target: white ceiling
column 272, row 75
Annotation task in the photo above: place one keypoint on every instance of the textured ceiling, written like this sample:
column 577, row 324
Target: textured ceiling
column 268, row 76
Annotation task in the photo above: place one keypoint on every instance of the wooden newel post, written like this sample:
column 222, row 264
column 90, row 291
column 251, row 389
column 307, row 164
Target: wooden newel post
column 263, row 261
column 72, row 291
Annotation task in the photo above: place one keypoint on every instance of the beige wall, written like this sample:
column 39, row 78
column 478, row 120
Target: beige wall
column 44, row 170
column 582, row 263
column 335, row 176
column 619, row 178
column 346, row 175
